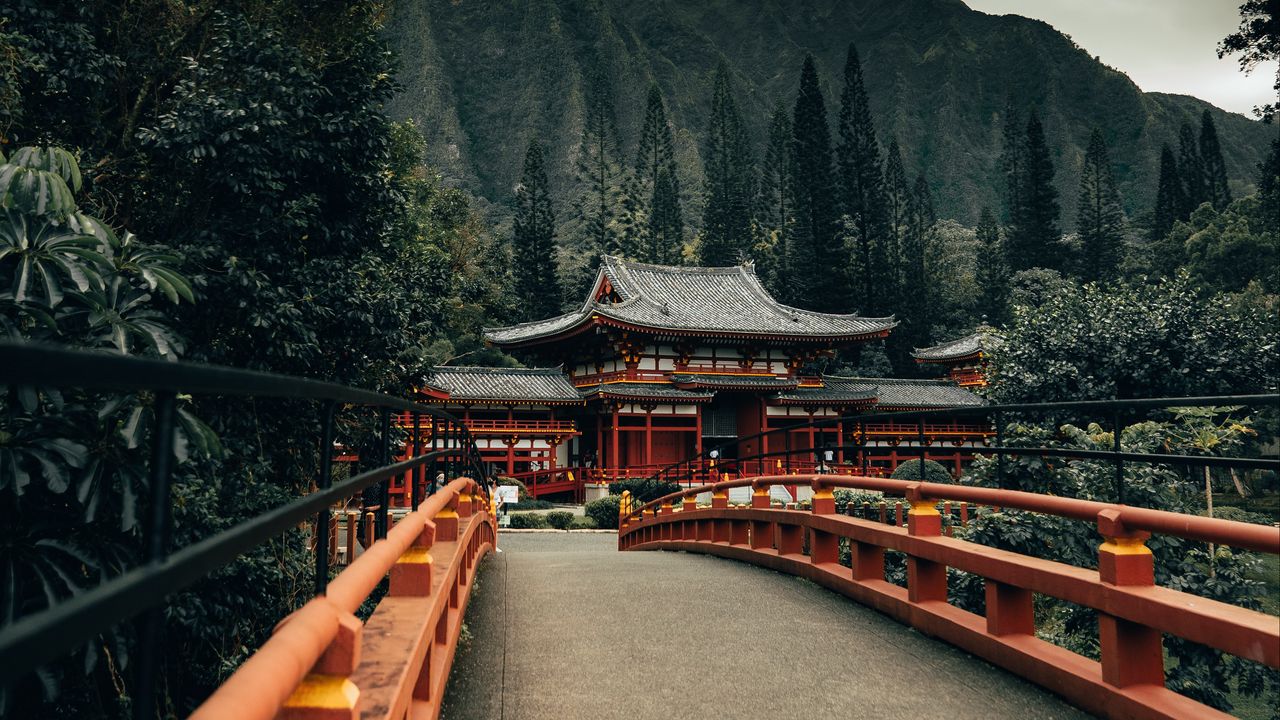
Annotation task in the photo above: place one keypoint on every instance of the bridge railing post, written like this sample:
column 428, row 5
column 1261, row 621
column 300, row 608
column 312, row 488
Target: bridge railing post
column 327, row 692
column 824, row 547
column 1132, row 653
column 926, row 579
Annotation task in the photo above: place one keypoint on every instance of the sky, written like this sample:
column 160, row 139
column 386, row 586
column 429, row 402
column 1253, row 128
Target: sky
column 1163, row 45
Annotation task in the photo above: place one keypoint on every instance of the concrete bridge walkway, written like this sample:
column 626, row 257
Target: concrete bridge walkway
column 564, row 626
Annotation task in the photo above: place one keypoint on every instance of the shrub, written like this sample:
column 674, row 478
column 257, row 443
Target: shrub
column 512, row 482
column 531, row 505
column 933, row 472
column 582, row 523
column 604, row 511
column 643, row 489
column 528, row 521
column 845, row 496
column 559, row 519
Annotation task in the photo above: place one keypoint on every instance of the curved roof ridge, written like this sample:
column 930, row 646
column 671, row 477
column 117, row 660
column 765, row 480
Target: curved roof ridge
column 900, row 381
column 696, row 269
column 489, row 370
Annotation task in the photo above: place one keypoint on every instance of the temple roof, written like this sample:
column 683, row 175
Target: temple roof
column 969, row 347
column 645, row 391
column 517, row 385
column 731, row 382
column 887, row 393
column 705, row 301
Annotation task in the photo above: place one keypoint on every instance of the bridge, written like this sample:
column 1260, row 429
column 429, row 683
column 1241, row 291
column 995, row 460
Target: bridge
column 568, row 626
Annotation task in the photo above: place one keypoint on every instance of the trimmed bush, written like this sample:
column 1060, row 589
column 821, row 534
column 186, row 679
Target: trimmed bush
column 559, row 519
column 582, row 523
column 604, row 511
column 531, row 505
column 933, row 472
column 643, row 489
column 528, row 521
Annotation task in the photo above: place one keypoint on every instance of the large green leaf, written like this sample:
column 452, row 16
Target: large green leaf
column 50, row 159
column 35, row 192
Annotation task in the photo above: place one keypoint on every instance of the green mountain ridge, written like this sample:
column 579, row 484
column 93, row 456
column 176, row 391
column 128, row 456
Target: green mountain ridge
column 483, row 78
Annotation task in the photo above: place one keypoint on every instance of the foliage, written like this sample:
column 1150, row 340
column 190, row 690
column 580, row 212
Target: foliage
column 73, row 464
column 560, row 519
column 813, row 252
column 729, row 191
column 1224, row 250
column 643, row 490
column 870, row 284
column 599, row 177
column 656, row 187
column 604, row 511
column 991, row 270
column 1256, row 40
column 1033, row 220
column 1101, row 221
column 933, row 472
column 582, row 523
column 533, row 239
column 1161, row 340
column 531, row 505
column 773, row 209
column 528, row 521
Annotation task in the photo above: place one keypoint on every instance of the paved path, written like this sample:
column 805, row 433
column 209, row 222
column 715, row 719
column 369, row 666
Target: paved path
column 565, row 626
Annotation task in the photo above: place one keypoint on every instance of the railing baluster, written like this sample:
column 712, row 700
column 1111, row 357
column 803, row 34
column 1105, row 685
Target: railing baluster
column 1000, row 456
column 384, row 505
column 160, row 512
column 417, row 451
column 324, row 482
column 1115, row 446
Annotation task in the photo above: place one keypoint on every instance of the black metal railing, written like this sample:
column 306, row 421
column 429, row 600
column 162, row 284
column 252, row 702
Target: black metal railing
column 691, row 471
column 57, row 630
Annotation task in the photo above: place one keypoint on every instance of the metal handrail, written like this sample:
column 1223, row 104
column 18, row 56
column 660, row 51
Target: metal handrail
column 56, row 630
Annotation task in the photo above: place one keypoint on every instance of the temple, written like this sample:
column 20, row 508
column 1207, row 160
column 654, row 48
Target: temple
column 964, row 358
column 660, row 364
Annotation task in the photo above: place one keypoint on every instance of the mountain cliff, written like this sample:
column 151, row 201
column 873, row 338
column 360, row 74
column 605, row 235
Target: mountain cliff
column 483, row 78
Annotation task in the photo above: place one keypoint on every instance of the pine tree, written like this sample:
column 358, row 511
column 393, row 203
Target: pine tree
column 916, row 288
column 897, row 199
column 1012, row 149
column 1100, row 222
column 600, row 179
column 991, row 270
column 533, row 238
column 1033, row 233
column 658, row 240
column 1216, row 191
column 1190, row 170
column 726, row 232
column 1170, row 200
column 862, row 186
column 774, row 208
column 814, row 255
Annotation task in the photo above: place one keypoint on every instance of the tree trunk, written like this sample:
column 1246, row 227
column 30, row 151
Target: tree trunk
column 1208, row 499
column 1240, row 488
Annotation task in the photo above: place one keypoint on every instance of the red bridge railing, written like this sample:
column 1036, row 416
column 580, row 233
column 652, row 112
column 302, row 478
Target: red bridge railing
column 318, row 663
column 1133, row 612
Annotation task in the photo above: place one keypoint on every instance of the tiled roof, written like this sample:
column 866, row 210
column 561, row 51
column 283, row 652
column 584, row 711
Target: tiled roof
column 835, row 391
column 963, row 348
column 899, row 393
column 656, row 391
column 724, row 301
column 746, row 382
column 529, row 385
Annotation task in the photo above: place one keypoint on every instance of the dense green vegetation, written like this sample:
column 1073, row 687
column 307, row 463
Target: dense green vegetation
column 284, row 222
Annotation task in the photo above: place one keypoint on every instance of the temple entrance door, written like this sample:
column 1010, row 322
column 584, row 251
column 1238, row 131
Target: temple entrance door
column 720, row 430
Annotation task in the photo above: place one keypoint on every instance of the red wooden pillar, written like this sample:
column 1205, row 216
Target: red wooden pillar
column 926, row 580
column 840, row 442
column 1132, row 653
column 648, row 436
column 613, row 449
column 697, row 433
column 599, row 442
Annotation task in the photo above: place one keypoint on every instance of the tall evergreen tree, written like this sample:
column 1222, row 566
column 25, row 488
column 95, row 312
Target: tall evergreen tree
column 729, row 171
column 1012, row 149
column 917, row 290
column 862, row 191
column 814, row 254
column 1100, row 221
column 1033, row 233
column 897, row 200
column 774, row 207
column 600, row 179
column 533, row 238
column 1216, row 191
column 991, row 270
column 1190, row 170
column 659, row 238
column 1269, row 183
column 1170, row 199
